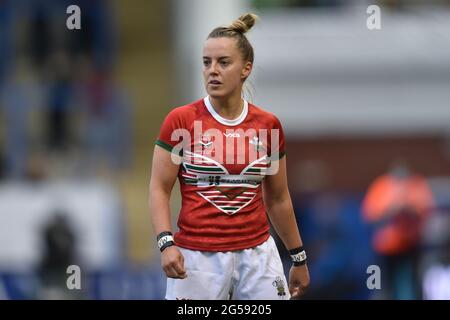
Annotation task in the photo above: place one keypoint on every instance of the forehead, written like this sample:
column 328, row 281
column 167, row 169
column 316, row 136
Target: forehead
column 220, row 47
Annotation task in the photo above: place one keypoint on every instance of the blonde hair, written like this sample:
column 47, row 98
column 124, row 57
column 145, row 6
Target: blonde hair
column 237, row 30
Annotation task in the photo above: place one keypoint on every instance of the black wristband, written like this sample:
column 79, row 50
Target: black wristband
column 165, row 240
column 162, row 234
column 298, row 256
column 296, row 250
column 166, row 245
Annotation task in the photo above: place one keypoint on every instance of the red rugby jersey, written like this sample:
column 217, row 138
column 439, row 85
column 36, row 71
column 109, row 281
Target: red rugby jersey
column 223, row 163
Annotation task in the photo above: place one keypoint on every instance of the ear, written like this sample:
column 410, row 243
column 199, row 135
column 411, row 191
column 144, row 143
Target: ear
column 246, row 70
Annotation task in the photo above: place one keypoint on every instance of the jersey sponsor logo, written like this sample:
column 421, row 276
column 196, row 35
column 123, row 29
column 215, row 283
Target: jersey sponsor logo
column 232, row 135
column 209, row 172
column 231, row 192
column 248, row 146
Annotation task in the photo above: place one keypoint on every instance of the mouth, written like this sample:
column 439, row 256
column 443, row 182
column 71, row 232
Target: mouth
column 214, row 82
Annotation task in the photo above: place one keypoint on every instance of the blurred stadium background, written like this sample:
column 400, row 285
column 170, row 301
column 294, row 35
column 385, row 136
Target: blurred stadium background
column 366, row 114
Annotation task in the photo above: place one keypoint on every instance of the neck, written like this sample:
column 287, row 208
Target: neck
column 228, row 108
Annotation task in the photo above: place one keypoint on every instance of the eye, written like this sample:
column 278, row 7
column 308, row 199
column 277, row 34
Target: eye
column 224, row 62
column 206, row 62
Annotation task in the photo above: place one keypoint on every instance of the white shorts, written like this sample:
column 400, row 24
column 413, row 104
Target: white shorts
column 250, row 274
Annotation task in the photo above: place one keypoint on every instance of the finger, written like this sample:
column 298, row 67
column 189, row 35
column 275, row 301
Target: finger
column 292, row 288
column 181, row 275
column 172, row 273
column 181, row 260
column 295, row 292
column 168, row 271
column 179, row 269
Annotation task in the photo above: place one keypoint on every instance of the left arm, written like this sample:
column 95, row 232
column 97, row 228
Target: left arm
column 281, row 213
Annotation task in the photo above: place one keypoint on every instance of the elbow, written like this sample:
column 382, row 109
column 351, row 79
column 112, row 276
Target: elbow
column 275, row 200
column 272, row 205
column 275, row 205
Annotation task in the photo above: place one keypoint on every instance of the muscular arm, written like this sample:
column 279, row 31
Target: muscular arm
column 281, row 213
column 163, row 177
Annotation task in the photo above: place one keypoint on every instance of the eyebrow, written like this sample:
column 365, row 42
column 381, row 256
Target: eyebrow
column 223, row 57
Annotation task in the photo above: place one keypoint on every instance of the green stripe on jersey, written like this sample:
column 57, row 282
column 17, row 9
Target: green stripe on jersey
column 204, row 168
column 255, row 170
column 164, row 145
column 167, row 147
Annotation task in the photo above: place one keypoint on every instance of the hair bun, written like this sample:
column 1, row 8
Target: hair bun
column 243, row 23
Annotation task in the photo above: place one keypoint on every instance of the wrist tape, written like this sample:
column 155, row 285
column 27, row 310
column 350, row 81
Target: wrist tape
column 165, row 240
column 298, row 256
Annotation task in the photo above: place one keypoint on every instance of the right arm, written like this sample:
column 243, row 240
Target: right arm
column 163, row 177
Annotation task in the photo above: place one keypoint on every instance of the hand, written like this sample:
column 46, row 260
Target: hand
column 298, row 281
column 172, row 262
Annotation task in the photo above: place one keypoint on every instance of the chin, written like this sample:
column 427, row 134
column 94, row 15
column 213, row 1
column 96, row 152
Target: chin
column 216, row 94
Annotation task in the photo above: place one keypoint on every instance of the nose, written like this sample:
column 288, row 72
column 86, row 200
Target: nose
column 213, row 68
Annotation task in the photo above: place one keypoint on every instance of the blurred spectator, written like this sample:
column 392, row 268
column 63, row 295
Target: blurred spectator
column 96, row 38
column 60, row 97
column 47, row 31
column 57, row 52
column 40, row 32
column 107, row 122
column 398, row 204
column 59, row 253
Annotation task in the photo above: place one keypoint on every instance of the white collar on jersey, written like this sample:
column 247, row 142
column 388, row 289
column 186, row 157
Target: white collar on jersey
column 227, row 122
